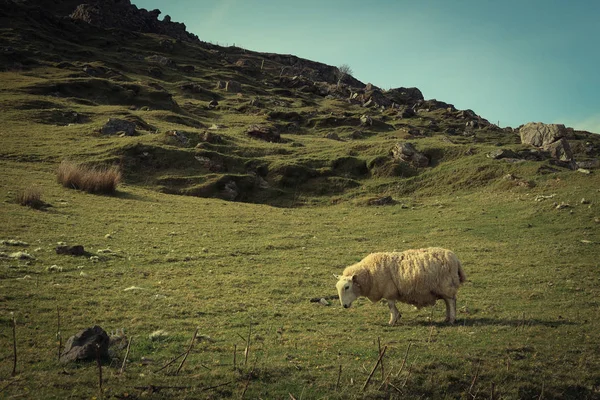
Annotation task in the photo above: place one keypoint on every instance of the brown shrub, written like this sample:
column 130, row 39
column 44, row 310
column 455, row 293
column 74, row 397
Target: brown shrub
column 100, row 180
column 31, row 197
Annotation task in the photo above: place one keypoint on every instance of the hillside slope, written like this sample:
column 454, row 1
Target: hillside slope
column 203, row 120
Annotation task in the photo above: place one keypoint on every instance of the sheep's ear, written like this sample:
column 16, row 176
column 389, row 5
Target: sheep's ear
column 354, row 279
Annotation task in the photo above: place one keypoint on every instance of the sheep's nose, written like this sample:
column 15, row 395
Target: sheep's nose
column 346, row 306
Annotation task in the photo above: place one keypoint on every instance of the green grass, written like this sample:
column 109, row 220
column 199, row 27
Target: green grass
column 527, row 324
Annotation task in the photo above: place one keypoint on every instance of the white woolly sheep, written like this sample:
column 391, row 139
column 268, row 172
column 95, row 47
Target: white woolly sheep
column 418, row 277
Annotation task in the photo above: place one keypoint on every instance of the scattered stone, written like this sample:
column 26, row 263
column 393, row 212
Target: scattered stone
column 14, row 242
column 54, row 268
column 158, row 335
column 584, row 241
column 160, row 60
column 502, row 153
column 76, row 250
column 563, row 205
column 21, row 255
column 381, row 201
column 108, row 236
column 133, row 288
column 115, row 125
column 332, row 136
column 86, row 345
column 585, row 201
column 24, row 278
column 265, row 133
column 213, row 104
column 584, row 171
column 179, row 136
column 541, row 197
column 366, row 120
column 323, row 302
column 94, row 258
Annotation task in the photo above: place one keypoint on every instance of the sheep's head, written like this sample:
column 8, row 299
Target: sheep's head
column 348, row 289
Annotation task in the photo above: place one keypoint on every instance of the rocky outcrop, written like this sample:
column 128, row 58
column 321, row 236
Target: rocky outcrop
column 549, row 137
column 539, row 134
column 124, row 15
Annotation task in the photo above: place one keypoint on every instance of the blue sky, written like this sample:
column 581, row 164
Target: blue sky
column 511, row 61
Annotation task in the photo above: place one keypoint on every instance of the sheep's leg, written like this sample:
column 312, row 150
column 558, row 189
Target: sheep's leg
column 395, row 314
column 450, row 309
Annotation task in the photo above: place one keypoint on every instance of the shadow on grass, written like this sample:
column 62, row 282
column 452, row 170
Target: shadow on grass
column 119, row 194
column 516, row 323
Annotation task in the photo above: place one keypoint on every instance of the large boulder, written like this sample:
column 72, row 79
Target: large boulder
column 539, row 134
column 86, row 345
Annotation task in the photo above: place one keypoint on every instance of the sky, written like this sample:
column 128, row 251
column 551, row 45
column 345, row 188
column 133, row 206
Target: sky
column 510, row 61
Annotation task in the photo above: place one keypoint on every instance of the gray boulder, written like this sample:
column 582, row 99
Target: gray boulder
column 86, row 345
column 539, row 134
column 560, row 149
column 115, row 125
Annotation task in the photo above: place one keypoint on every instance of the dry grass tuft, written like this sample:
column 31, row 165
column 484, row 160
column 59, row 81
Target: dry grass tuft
column 31, row 197
column 99, row 180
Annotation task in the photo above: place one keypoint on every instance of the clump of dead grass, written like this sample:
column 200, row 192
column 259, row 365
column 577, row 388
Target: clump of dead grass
column 31, row 197
column 98, row 180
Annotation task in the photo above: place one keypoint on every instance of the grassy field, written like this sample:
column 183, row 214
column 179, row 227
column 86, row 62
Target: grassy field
column 527, row 324
column 246, row 272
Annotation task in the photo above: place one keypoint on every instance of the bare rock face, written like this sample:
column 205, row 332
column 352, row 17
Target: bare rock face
column 539, row 134
column 86, row 345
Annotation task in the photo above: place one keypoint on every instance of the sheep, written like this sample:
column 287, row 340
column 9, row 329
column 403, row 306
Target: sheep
column 418, row 277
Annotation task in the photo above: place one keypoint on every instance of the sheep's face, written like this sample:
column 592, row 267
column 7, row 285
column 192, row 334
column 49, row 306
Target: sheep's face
column 347, row 290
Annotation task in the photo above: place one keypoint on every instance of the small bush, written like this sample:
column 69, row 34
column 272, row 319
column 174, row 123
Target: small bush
column 100, row 180
column 31, row 197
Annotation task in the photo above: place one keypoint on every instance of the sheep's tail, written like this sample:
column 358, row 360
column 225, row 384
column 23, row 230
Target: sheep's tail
column 462, row 277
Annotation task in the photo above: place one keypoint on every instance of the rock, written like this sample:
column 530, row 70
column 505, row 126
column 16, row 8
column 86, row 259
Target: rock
column 115, row 125
column 381, row 201
column 14, row 242
column 213, row 104
column 230, row 191
column 588, row 164
column 323, row 302
column 407, row 112
column 407, row 152
column 366, row 120
column 121, row 14
column 21, row 255
column 584, row 171
column 560, row 150
column 179, row 136
column 76, row 250
column 332, row 136
column 160, row 60
column 158, row 335
column 86, row 345
column 502, row 153
column 265, row 133
column 539, row 134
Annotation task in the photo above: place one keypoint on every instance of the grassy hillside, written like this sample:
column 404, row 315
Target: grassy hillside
column 179, row 247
